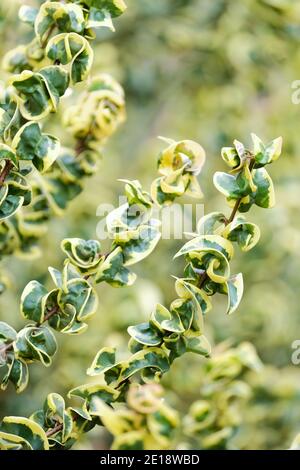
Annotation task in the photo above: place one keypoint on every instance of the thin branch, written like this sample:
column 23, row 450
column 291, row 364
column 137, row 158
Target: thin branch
column 48, row 315
column 238, row 201
column 231, row 218
column 6, row 347
column 52, row 312
column 45, row 41
column 80, row 146
column 5, row 172
column 234, row 211
column 58, row 427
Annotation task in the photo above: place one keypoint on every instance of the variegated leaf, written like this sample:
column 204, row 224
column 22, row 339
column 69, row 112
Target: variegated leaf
column 25, row 432
column 81, row 296
column 66, row 17
column 85, row 254
column 145, row 334
column 103, row 361
column 162, row 424
column 142, row 245
column 265, row 194
column 152, row 357
column 207, row 243
column 17, row 373
column 112, row 270
column 266, row 154
column 33, row 301
column 71, row 48
column 164, row 320
column 35, row 344
column 234, row 289
column 199, row 345
column 246, row 234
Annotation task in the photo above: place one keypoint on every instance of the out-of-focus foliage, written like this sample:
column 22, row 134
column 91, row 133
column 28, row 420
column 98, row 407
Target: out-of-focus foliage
column 210, row 71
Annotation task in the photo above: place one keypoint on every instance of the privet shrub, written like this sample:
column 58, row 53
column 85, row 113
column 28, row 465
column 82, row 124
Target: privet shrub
column 38, row 179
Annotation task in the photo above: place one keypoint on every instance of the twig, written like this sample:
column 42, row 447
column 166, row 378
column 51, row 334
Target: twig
column 52, row 312
column 5, row 172
column 48, row 315
column 6, row 347
column 231, row 218
column 80, row 146
column 45, row 41
column 58, row 427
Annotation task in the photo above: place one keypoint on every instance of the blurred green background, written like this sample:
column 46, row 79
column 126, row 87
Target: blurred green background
column 210, row 71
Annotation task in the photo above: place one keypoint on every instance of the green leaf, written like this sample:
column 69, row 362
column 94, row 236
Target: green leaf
column 7, row 153
column 7, row 333
column 235, row 186
column 66, row 17
column 103, row 107
column 65, row 320
column 265, row 194
column 126, row 222
column 101, row 12
column 113, row 7
column 103, row 361
column 112, row 270
column 132, row 440
column 24, row 431
column 266, row 154
column 91, row 392
column 17, row 374
column 189, row 291
column 199, row 345
column 244, row 233
column 57, row 80
column 179, row 164
column 35, row 344
column 135, row 193
column 16, row 60
column 140, row 247
column 80, row 295
column 231, row 157
column 192, row 305
column 85, row 254
column 99, row 18
column 184, row 154
column 154, row 358
column 211, row 224
column 37, row 96
column 164, row 320
column 14, row 193
column 145, row 334
column 174, row 183
column 74, row 49
column 234, row 288
column 201, row 416
column 207, row 243
column 9, row 203
column 32, row 144
column 35, row 101
column 54, row 411
column 159, row 196
column 28, row 14
column 10, row 442
column 162, row 424
column 33, row 301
